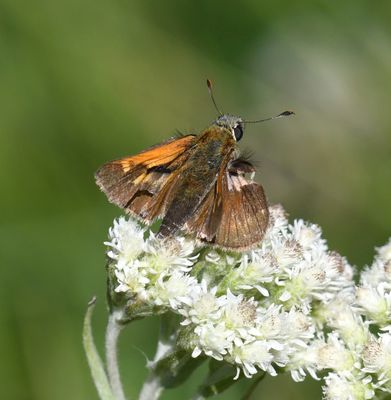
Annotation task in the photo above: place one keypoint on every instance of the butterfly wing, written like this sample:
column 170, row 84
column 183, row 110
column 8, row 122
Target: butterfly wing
column 234, row 215
column 140, row 184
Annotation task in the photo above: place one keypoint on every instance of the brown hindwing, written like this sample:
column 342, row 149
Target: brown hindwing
column 235, row 214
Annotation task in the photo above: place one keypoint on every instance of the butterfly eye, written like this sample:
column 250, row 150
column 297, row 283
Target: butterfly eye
column 238, row 132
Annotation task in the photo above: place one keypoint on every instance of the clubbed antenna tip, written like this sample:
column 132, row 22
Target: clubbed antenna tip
column 210, row 88
column 286, row 113
column 283, row 114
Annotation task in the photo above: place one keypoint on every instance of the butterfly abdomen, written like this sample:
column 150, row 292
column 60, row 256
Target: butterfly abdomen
column 214, row 148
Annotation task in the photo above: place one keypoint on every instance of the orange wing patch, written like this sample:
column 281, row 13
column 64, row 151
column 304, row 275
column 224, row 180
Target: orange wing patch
column 157, row 155
column 137, row 183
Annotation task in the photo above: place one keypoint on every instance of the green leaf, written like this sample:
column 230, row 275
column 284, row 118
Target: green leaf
column 220, row 378
column 256, row 380
column 176, row 368
column 94, row 361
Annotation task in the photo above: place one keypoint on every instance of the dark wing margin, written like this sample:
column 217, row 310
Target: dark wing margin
column 140, row 184
column 234, row 215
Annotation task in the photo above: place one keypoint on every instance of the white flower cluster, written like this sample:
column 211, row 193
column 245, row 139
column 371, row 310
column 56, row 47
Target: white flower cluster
column 150, row 269
column 289, row 304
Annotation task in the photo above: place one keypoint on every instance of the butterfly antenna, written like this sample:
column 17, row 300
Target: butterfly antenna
column 283, row 114
column 209, row 84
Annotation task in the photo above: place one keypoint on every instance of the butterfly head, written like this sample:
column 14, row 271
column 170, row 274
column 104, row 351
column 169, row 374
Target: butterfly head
column 234, row 124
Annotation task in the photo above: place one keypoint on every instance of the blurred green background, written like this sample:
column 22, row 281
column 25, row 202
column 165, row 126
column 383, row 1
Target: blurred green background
column 83, row 82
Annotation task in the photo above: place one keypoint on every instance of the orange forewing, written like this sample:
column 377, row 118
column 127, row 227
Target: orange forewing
column 158, row 155
column 141, row 183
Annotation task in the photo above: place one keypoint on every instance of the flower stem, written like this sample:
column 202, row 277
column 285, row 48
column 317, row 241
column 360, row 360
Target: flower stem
column 112, row 333
column 198, row 396
column 153, row 387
